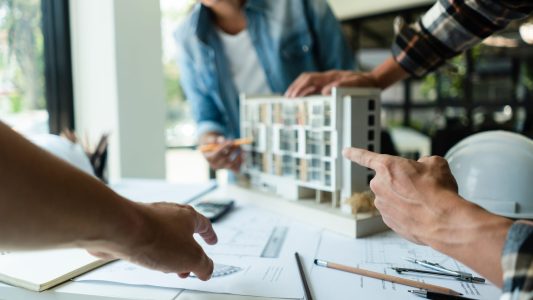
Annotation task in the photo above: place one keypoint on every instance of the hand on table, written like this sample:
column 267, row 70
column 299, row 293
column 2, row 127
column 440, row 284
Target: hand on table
column 163, row 240
column 225, row 156
column 414, row 197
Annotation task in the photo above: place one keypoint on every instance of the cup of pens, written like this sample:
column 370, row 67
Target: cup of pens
column 97, row 155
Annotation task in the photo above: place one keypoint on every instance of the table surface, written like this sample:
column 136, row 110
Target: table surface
column 100, row 290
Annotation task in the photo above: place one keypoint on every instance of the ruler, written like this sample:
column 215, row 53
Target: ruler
column 275, row 242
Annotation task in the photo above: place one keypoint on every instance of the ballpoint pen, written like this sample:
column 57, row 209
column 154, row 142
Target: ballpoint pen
column 437, row 296
column 439, row 271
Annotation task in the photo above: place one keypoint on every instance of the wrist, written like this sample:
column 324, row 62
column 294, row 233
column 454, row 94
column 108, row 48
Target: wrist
column 473, row 236
column 388, row 73
column 123, row 233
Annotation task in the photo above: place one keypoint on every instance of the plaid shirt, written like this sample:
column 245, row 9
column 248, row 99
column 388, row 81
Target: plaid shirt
column 451, row 27
column 517, row 263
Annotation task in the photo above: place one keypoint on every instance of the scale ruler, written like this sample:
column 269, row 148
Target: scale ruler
column 275, row 242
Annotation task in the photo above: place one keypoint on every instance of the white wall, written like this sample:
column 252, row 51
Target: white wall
column 118, row 82
column 346, row 9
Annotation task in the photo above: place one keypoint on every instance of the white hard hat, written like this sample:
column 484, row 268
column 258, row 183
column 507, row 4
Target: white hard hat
column 64, row 149
column 494, row 169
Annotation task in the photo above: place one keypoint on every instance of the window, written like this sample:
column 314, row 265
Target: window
column 35, row 66
column 180, row 126
column 22, row 84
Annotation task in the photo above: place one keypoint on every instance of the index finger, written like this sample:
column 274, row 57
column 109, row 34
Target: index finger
column 204, row 228
column 364, row 157
column 204, row 268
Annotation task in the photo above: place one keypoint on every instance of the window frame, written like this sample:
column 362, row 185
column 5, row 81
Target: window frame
column 59, row 90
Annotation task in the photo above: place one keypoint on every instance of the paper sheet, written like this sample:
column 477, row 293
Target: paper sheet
column 379, row 253
column 243, row 232
column 259, row 276
column 151, row 190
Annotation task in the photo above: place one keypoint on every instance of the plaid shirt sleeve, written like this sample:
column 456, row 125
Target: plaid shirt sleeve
column 517, row 262
column 451, row 27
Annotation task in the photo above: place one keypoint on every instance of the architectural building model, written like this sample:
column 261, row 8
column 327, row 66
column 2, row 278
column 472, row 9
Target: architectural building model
column 298, row 143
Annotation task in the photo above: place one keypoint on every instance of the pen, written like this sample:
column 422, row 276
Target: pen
column 307, row 290
column 386, row 277
column 214, row 146
column 436, row 296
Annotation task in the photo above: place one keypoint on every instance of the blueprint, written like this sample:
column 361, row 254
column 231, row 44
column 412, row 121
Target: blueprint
column 379, row 253
column 242, row 268
column 244, row 235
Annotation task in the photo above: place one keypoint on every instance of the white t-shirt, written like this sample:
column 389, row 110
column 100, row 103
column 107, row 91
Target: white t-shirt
column 246, row 70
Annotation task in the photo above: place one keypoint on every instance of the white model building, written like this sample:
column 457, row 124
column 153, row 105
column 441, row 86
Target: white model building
column 298, row 143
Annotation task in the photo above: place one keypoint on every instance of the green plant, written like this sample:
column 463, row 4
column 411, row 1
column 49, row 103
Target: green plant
column 16, row 102
column 21, row 23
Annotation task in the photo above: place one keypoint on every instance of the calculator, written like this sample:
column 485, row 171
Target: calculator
column 214, row 209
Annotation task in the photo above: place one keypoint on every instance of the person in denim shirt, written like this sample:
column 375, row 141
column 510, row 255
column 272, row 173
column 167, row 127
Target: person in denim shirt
column 229, row 47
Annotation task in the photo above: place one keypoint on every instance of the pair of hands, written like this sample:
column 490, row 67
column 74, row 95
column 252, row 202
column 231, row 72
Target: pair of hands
column 160, row 237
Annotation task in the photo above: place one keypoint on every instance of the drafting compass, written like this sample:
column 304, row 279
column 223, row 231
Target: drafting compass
column 438, row 270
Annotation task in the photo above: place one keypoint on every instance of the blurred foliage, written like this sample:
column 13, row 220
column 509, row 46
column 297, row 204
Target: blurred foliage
column 429, row 85
column 172, row 15
column 16, row 102
column 451, row 76
column 23, row 62
column 527, row 77
column 174, row 93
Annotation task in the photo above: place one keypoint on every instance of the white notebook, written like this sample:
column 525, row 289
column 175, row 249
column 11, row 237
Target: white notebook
column 41, row 270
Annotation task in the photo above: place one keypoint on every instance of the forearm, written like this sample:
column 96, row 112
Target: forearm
column 451, row 27
column 44, row 202
column 473, row 236
column 388, row 73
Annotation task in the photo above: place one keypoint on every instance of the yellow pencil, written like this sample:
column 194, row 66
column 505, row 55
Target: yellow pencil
column 398, row 280
column 213, row 147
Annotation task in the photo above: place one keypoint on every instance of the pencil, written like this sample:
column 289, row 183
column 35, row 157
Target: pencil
column 398, row 280
column 307, row 290
column 214, row 146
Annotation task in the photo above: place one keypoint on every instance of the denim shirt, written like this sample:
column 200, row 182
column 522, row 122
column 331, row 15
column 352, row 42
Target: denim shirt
column 291, row 37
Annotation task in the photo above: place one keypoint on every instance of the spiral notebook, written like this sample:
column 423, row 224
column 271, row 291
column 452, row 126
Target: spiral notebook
column 41, row 270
